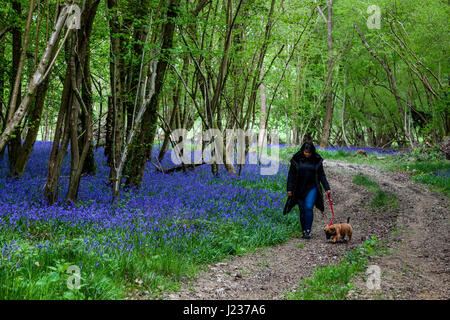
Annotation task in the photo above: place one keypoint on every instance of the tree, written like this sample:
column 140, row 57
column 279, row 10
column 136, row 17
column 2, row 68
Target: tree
column 72, row 104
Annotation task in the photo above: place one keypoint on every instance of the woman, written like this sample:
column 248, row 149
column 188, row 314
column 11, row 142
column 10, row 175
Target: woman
column 303, row 184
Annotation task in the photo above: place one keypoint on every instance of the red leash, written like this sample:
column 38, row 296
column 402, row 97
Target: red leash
column 332, row 212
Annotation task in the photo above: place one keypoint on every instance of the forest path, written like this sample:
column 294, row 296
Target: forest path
column 418, row 264
column 417, row 235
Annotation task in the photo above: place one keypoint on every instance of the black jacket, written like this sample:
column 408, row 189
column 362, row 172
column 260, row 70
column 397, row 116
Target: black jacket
column 298, row 176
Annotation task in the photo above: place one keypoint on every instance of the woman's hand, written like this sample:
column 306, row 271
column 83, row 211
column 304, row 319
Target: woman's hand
column 328, row 192
column 289, row 193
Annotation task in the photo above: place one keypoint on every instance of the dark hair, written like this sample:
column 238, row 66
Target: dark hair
column 309, row 147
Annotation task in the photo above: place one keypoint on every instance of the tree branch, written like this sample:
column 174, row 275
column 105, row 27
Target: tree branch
column 321, row 13
column 4, row 31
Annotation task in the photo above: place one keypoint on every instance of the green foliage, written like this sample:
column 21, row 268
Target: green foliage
column 363, row 180
column 442, row 182
column 29, row 275
column 425, row 165
column 435, row 173
column 381, row 200
column 333, row 282
column 371, row 113
column 384, row 200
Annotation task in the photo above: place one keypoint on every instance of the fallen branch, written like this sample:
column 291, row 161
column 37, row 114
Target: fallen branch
column 177, row 168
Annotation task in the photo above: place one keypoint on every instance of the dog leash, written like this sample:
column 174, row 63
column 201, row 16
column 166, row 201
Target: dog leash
column 332, row 212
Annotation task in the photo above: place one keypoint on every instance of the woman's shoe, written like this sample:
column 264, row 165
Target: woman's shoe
column 307, row 235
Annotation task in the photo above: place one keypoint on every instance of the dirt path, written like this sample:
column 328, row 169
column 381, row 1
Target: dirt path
column 417, row 233
column 418, row 266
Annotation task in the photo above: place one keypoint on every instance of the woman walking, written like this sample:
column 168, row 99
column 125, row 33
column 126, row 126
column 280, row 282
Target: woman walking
column 303, row 184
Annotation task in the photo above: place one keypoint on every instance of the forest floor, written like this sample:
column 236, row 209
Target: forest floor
column 416, row 236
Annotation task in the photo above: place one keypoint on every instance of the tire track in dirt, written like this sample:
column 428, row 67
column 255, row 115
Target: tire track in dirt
column 418, row 266
column 269, row 272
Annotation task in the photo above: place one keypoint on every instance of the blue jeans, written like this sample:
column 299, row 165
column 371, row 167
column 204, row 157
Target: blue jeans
column 306, row 209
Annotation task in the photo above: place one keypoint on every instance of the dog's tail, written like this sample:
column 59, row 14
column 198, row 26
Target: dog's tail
column 348, row 219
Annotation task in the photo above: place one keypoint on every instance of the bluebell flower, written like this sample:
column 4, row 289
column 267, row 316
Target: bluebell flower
column 151, row 214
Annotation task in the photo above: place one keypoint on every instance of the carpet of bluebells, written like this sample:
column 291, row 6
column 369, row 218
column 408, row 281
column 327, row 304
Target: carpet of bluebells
column 147, row 237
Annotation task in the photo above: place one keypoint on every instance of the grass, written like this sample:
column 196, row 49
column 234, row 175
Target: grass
column 44, row 275
column 333, row 282
column 441, row 184
column 424, row 166
column 352, row 157
column 31, row 273
column 435, row 173
column 342, row 155
column 384, row 200
column 363, row 180
column 381, row 200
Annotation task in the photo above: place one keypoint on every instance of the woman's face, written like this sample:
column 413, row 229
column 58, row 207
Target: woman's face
column 307, row 154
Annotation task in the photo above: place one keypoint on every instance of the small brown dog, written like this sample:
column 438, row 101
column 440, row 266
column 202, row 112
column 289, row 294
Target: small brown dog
column 339, row 230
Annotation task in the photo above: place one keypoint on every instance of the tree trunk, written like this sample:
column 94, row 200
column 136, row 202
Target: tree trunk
column 77, row 67
column 392, row 83
column 41, row 72
column 59, row 146
column 98, row 87
column 142, row 147
column 329, row 82
column 2, row 85
column 71, row 103
column 117, row 103
column 343, row 112
column 220, row 85
column 256, row 77
column 35, row 122
column 18, row 60
column 262, row 136
column 19, row 55
column 165, row 144
column 86, row 85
